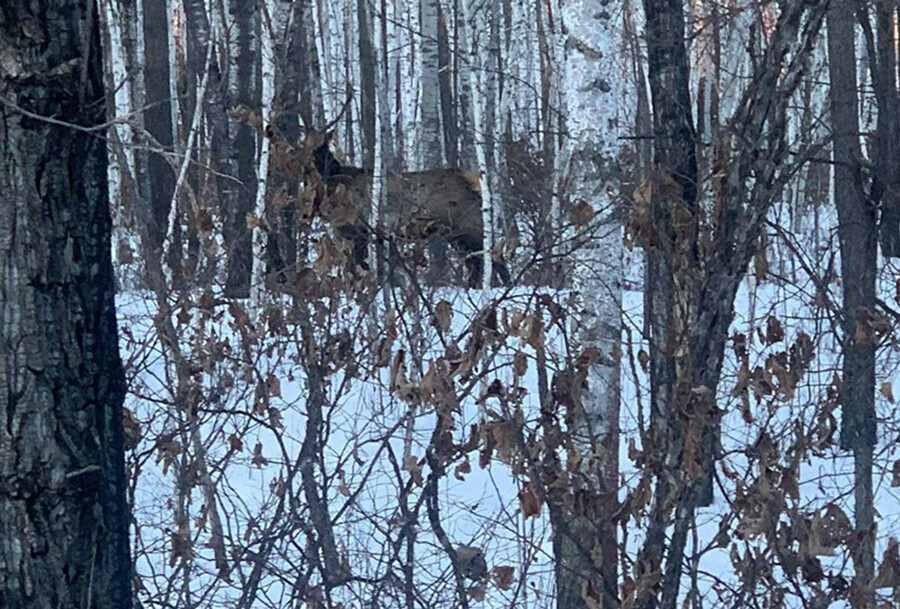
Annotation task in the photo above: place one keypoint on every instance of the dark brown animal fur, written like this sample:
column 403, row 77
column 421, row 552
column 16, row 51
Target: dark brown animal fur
column 419, row 205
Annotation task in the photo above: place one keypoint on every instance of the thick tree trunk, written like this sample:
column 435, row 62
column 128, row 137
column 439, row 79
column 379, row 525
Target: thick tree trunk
column 702, row 287
column 586, row 542
column 858, row 234
column 63, row 513
column 887, row 182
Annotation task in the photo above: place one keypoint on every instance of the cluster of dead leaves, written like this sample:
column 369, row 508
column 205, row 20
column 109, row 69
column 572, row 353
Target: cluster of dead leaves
column 778, row 378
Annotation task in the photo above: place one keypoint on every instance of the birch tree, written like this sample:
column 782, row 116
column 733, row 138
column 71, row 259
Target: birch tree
column 585, row 541
column 267, row 93
column 430, row 134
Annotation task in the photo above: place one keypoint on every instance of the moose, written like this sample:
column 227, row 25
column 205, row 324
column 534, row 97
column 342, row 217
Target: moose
column 419, row 205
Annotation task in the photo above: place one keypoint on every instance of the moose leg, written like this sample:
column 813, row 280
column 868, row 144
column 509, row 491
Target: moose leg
column 475, row 267
column 359, row 238
column 439, row 263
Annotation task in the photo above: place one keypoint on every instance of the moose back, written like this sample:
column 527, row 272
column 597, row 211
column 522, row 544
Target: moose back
column 420, row 205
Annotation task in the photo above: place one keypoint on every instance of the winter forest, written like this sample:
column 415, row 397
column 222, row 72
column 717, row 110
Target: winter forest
column 376, row 304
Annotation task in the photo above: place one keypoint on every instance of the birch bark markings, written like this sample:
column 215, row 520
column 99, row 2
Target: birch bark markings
column 591, row 77
column 487, row 201
column 430, row 88
column 267, row 88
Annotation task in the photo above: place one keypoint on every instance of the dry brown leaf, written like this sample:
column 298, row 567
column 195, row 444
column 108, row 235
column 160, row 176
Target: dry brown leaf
column 132, row 429
column 476, row 593
column 411, row 464
column 443, row 316
column 529, row 501
column 235, row 443
column 503, row 576
column 462, row 469
column 889, row 570
column 581, row 214
column 774, row 331
column 520, row 364
column 887, row 390
column 258, row 459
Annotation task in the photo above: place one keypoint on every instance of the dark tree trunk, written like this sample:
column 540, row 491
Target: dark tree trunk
column 367, row 67
column 887, row 183
column 674, row 156
column 283, row 252
column 158, row 117
column 445, row 79
column 857, row 231
column 63, row 512
column 244, row 92
column 696, row 309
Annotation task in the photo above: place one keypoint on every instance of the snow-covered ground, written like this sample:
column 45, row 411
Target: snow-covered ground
column 248, row 401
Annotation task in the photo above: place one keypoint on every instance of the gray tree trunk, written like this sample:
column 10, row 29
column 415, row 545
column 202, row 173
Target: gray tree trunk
column 858, row 234
column 445, row 78
column 63, row 512
column 698, row 309
column 367, row 67
column 158, row 117
column 430, row 99
column 243, row 91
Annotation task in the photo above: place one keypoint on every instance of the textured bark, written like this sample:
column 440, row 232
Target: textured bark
column 586, row 541
column 886, row 186
column 63, row 513
column 857, row 231
column 431, row 120
column 448, row 106
column 133, row 43
column 282, row 248
column 675, row 155
column 465, row 111
column 197, row 39
column 312, row 109
column 702, row 288
column 259, row 237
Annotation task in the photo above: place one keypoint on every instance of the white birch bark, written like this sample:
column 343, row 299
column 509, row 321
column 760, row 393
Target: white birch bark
column 560, row 169
column 430, row 95
column 173, row 10
column 185, row 163
column 259, row 235
column 383, row 149
column 487, row 202
column 593, row 80
column 121, row 86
